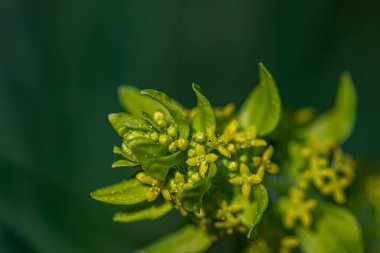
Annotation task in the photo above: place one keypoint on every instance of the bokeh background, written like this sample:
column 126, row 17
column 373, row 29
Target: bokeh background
column 62, row 61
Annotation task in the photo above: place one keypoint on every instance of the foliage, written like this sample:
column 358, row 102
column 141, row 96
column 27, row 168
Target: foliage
column 212, row 165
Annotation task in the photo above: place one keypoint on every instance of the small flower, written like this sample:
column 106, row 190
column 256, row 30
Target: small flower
column 264, row 163
column 226, row 215
column 156, row 188
column 288, row 243
column 296, row 208
column 248, row 138
column 343, row 163
column 335, row 186
column 201, row 159
column 225, row 112
column 182, row 144
column 318, row 171
column 246, row 179
column 220, row 143
column 178, row 183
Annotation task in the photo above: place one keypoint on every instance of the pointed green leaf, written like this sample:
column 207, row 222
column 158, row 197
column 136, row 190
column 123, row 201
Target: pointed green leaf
column 262, row 108
column 128, row 192
column 135, row 103
column 153, row 159
column 178, row 114
column 336, row 231
column 336, row 125
column 144, row 211
column 128, row 157
column 253, row 208
column 124, row 163
column 192, row 199
column 121, row 122
column 205, row 117
column 189, row 239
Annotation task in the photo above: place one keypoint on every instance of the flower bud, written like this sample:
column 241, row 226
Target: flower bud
column 172, row 131
column 158, row 115
column 191, row 153
column 200, row 137
column 243, row 158
column 172, row 147
column 154, row 136
column 182, row 144
column 233, row 166
column 164, row 139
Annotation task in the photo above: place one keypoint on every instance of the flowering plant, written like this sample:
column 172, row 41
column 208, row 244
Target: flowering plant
column 220, row 169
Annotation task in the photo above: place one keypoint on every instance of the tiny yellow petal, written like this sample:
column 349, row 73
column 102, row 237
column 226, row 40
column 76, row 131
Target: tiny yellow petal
column 236, row 180
column 179, row 178
column 224, row 151
column 261, row 171
column 305, row 219
column 166, row 194
column 203, row 168
column 231, row 127
column 210, row 158
column 188, row 186
column 268, row 153
column 200, row 150
column 258, row 143
column 151, row 195
column 143, row 178
column 193, row 161
column 251, row 132
column 244, row 170
column 246, row 189
column 254, row 179
column 273, row 168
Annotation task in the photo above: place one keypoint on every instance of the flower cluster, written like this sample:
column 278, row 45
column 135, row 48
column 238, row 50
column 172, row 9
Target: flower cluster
column 212, row 165
column 179, row 155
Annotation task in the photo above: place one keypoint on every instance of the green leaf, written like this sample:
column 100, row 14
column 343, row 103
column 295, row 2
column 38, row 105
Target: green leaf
column 128, row 192
column 124, row 163
column 129, row 157
column 135, row 103
column 144, row 211
column 205, row 117
column 253, row 209
column 336, row 231
column 336, row 125
column 189, row 239
column 121, row 122
column 153, row 159
column 191, row 199
column 262, row 108
column 178, row 114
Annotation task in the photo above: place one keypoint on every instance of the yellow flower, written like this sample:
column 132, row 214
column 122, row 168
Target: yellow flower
column 264, row 162
column 225, row 112
column 201, row 159
column 220, row 143
column 288, row 243
column 156, row 188
column 343, row 164
column 245, row 179
column 226, row 215
column 296, row 208
column 335, row 186
column 248, row 138
column 177, row 184
column 318, row 171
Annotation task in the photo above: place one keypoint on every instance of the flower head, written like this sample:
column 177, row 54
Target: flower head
column 199, row 158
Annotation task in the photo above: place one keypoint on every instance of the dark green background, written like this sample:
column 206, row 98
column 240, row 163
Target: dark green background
column 62, row 61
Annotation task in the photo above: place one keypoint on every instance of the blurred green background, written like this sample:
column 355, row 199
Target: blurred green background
column 62, row 61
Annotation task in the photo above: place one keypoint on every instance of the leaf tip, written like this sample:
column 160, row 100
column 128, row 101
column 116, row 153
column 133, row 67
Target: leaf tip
column 196, row 87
